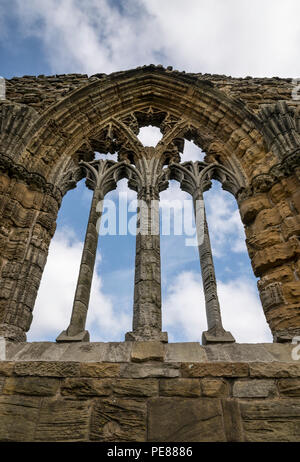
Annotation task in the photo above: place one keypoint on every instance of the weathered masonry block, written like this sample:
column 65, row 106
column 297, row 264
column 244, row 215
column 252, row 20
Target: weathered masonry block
column 109, row 395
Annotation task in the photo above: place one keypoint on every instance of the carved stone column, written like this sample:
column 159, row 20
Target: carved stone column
column 215, row 333
column 76, row 331
column 147, row 323
column 194, row 178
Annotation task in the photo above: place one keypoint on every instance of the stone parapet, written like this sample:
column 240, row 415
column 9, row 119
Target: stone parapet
column 149, row 391
column 144, row 352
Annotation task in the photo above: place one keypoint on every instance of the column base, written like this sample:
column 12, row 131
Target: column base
column 136, row 336
column 216, row 335
column 83, row 336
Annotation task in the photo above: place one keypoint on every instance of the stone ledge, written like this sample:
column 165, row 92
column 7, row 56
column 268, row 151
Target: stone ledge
column 124, row 352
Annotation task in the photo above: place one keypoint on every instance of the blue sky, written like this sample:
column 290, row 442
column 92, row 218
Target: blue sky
column 235, row 38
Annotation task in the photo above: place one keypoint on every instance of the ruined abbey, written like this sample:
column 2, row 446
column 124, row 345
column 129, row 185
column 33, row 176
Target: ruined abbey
column 146, row 389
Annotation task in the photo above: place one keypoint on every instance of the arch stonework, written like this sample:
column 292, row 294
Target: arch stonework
column 250, row 128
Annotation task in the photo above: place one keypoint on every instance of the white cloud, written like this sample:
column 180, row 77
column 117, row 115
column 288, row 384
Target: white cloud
column 225, row 225
column 149, row 136
column 55, row 297
column 191, row 152
column 242, row 314
column 91, row 36
column 107, row 156
column 173, row 193
column 249, row 37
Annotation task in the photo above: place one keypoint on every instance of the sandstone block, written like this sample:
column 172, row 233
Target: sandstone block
column 283, row 319
column 291, row 227
column 214, row 369
column 254, row 388
column 297, row 267
column 180, row 419
column 285, row 211
column 50, row 352
column 147, row 351
column 272, row 430
column 35, row 386
column 135, row 387
column 118, row 352
column 62, row 420
column 251, row 207
column 184, row 352
column 99, row 370
column 214, row 387
column 19, row 415
column 291, row 291
column 269, row 257
column 271, row 420
column 289, row 387
column 232, row 420
column 47, row 368
column 296, row 201
column 118, row 419
column 271, row 295
column 277, row 193
column 280, row 352
column 6, row 368
column 4, row 183
column 180, row 387
column 268, row 409
column 280, row 274
column 275, row 369
column 149, row 370
column 86, row 387
column 263, row 239
column 267, row 218
column 84, row 352
column 237, row 353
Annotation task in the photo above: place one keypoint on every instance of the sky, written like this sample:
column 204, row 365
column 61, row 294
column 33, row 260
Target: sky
column 231, row 37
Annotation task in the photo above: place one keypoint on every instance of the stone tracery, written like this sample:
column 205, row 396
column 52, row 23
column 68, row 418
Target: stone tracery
column 254, row 153
column 143, row 167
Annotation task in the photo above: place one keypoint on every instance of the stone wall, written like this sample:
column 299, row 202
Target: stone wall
column 133, row 391
column 39, row 92
column 147, row 391
column 27, row 226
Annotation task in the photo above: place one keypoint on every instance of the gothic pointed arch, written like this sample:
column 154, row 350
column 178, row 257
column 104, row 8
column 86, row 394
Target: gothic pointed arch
column 252, row 146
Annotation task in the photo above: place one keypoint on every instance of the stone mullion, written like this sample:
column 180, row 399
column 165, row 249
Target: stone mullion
column 147, row 322
column 215, row 332
column 76, row 330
